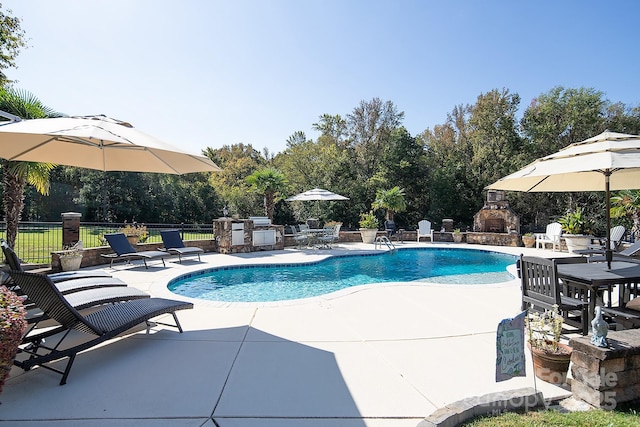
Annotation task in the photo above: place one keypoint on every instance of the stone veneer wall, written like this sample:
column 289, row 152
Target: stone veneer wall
column 604, row 377
column 497, row 239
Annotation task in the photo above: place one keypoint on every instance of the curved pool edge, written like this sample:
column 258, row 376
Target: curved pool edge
column 160, row 287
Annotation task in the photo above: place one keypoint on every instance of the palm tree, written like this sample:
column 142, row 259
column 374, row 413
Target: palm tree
column 392, row 200
column 269, row 182
column 16, row 175
column 626, row 204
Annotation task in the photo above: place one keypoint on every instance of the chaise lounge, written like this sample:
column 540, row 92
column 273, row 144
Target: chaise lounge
column 174, row 245
column 100, row 325
column 14, row 264
column 125, row 252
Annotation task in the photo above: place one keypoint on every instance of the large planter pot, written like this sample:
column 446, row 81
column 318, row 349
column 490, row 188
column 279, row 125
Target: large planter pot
column 576, row 242
column 458, row 237
column 529, row 241
column 70, row 263
column 133, row 239
column 550, row 367
column 368, row 234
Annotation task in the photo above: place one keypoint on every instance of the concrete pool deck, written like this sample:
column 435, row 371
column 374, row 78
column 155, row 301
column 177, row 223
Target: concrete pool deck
column 374, row 355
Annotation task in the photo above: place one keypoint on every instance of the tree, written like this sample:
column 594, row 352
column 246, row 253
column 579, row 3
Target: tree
column 626, row 204
column 237, row 162
column 269, row 182
column 16, row 175
column 12, row 39
column 392, row 200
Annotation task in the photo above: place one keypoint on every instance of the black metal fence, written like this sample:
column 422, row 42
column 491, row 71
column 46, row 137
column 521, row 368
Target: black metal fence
column 36, row 240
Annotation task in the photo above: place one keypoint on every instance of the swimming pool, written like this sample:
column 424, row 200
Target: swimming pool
column 264, row 283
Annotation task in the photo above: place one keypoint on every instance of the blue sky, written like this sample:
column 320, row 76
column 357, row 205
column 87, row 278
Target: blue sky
column 208, row 73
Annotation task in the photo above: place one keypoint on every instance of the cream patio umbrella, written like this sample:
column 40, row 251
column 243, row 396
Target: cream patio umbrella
column 609, row 161
column 95, row 142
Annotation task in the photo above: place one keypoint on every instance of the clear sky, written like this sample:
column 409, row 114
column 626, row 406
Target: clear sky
column 208, row 73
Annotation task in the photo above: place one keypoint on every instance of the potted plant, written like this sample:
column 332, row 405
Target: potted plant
column 529, row 240
column 71, row 257
column 134, row 232
column 368, row 227
column 575, row 227
column 457, row 235
column 550, row 357
column 12, row 327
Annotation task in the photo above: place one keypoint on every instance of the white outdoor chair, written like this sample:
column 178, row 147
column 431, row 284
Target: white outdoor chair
column 424, row 230
column 552, row 235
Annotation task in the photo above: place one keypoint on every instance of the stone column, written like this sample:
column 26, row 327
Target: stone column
column 70, row 228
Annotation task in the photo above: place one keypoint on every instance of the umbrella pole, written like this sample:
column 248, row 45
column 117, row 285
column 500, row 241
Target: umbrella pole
column 608, row 251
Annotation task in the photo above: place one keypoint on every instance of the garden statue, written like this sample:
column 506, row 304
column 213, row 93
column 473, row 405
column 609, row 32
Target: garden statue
column 599, row 329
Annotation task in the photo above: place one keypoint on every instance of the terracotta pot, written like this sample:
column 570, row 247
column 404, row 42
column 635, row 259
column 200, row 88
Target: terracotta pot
column 549, row 367
column 133, row 239
column 529, row 241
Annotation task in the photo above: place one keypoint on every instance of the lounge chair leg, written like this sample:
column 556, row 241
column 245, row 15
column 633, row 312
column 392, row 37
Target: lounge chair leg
column 65, row 374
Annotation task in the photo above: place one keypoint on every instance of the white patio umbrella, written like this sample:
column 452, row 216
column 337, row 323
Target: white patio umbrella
column 95, row 142
column 609, row 161
column 316, row 194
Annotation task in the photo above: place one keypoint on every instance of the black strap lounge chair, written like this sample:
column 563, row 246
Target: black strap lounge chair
column 14, row 264
column 125, row 252
column 174, row 245
column 102, row 325
column 67, row 282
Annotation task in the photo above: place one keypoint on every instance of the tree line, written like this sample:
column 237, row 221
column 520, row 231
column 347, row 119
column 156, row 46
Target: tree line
column 443, row 170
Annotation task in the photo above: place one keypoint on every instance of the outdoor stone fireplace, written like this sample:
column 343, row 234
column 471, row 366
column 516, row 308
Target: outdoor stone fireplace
column 496, row 223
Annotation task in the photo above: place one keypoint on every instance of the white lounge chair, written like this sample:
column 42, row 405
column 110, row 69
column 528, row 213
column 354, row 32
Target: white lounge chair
column 551, row 235
column 424, row 230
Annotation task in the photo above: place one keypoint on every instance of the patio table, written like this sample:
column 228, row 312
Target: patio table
column 313, row 234
column 595, row 276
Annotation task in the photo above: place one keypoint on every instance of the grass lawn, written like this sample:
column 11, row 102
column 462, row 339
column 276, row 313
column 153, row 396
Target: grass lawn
column 625, row 415
column 34, row 245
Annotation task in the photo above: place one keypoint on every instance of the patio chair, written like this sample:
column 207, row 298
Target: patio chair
column 616, row 233
column 14, row 264
column 624, row 255
column 300, row 237
column 390, row 228
column 424, row 230
column 174, row 245
column 551, row 235
column 541, row 290
column 331, row 234
column 101, row 325
column 125, row 252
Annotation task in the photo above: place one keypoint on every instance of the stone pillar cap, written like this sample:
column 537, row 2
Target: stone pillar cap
column 70, row 214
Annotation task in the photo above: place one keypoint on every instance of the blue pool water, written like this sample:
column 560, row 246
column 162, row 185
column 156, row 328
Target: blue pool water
column 293, row 281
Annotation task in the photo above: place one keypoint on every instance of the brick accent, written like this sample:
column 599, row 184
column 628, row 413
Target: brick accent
column 604, row 377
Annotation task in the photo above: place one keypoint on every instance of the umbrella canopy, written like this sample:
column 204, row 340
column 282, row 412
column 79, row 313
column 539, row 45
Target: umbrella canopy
column 316, row 194
column 609, row 161
column 95, row 142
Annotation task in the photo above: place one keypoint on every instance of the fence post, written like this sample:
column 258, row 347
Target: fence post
column 70, row 228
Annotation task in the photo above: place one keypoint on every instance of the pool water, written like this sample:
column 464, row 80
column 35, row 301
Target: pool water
column 292, row 281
